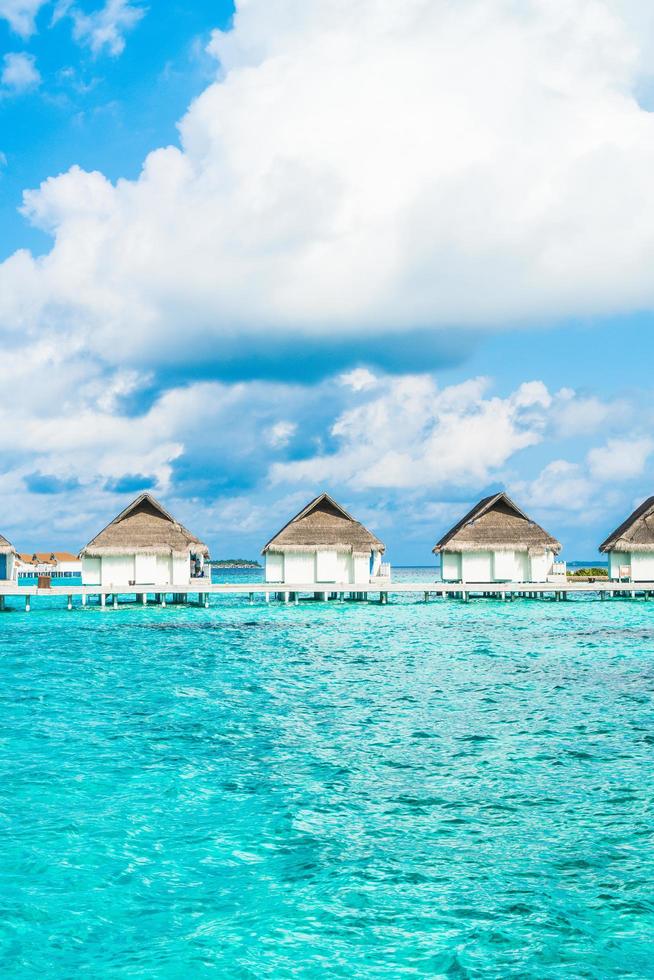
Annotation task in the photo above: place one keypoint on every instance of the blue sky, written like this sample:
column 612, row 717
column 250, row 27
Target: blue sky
column 402, row 253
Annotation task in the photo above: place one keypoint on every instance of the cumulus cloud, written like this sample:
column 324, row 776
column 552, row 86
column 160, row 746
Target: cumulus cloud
column 280, row 434
column 20, row 73
column 21, row 14
column 359, row 379
column 579, row 415
column 620, row 459
column 235, row 461
column 415, row 435
column 102, row 30
column 561, row 485
column 493, row 166
column 358, row 175
column 565, row 486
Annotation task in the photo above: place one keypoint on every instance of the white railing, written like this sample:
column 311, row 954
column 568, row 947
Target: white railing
column 559, row 568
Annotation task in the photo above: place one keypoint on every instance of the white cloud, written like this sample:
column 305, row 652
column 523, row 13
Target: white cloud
column 359, row 379
column 620, row 459
column 371, row 167
column 560, row 486
column 579, row 415
column 414, row 435
column 592, row 486
column 21, row 14
column 224, row 456
column 280, row 434
column 104, row 29
column 20, row 73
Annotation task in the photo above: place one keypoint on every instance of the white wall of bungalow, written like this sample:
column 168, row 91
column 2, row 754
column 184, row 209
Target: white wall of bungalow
column 497, row 566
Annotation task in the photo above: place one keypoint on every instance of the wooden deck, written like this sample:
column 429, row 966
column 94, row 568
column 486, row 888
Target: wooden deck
column 202, row 592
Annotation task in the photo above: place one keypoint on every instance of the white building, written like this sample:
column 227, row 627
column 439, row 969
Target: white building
column 630, row 549
column 144, row 545
column 61, row 564
column 497, row 542
column 324, row 545
column 7, row 561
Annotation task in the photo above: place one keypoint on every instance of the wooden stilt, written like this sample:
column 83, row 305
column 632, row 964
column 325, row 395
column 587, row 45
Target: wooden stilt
column 28, row 605
column 70, row 603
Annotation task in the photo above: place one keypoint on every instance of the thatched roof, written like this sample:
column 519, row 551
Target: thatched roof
column 497, row 524
column 636, row 533
column 324, row 523
column 144, row 527
column 5, row 547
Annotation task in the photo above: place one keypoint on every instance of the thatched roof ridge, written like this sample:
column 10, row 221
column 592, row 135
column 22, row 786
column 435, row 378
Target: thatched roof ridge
column 5, row 547
column 323, row 522
column 634, row 534
column 496, row 523
column 144, row 527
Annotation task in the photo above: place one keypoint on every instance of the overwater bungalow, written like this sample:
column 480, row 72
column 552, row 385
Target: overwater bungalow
column 7, row 561
column 630, row 548
column 497, row 542
column 144, row 545
column 324, row 545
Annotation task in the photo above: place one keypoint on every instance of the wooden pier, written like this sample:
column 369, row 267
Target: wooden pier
column 200, row 594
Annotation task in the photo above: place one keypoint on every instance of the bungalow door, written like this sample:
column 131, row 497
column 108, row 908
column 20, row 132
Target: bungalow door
column 3, row 567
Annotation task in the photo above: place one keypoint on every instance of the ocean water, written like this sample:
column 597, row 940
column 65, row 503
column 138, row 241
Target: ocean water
column 353, row 790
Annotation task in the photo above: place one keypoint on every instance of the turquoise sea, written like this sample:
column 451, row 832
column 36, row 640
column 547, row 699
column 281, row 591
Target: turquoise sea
column 356, row 791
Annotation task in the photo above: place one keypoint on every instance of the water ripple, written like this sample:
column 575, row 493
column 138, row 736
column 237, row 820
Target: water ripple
column 347, row 791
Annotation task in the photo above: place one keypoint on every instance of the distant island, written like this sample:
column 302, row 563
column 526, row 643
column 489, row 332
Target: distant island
column 235, row 563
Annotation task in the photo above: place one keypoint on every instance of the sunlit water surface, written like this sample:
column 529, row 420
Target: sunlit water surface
column 329, row 790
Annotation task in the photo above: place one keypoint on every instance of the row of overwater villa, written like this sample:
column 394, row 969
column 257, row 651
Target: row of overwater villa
column 325, row 548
